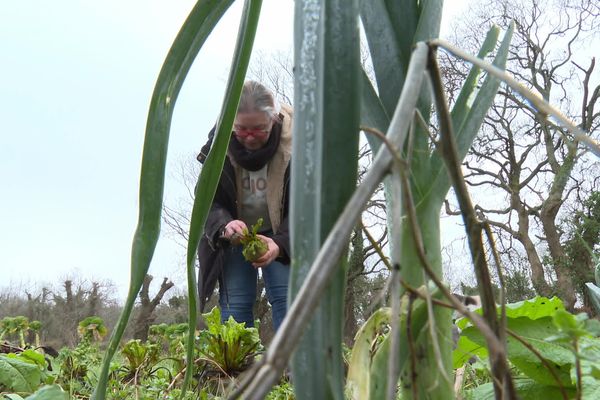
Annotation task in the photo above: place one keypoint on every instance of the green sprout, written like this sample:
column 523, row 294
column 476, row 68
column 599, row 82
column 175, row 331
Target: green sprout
column 254, row 247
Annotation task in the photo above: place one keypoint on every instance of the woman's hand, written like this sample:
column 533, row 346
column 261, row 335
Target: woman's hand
column 233, row 231
column 271, row 254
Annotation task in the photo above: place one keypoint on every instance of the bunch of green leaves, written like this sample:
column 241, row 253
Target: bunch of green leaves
column 254, row 247
column 170, row 337
column 147, row 388
column 283, row 391
column 78, row 367
column 171, row 341
column 141, row 358
column 92, row 329
column 24, row 372
column 554, row 353
column 14, row 327
column 230, row 347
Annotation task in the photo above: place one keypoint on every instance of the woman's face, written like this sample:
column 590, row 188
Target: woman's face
column 252, row 129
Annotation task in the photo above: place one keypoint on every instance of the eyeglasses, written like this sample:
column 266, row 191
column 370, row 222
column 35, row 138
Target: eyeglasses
column 258, row 132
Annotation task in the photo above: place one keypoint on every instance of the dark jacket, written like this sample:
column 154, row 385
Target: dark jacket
column 225, row 208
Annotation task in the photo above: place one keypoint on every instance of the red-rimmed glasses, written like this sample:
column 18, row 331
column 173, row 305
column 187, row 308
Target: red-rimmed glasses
column 259, row 133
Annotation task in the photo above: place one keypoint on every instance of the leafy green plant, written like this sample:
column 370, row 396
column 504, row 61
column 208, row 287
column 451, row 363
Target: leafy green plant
column 283, row 391
column 254, row 247
column 77, row 366
column 92, row 329
column 141, row 359
column 170, row 337
column 36, row 327
column 146, row 370
column 554, row 353
column 367, row 373
column 228, row 348
column 20, row 374
column 14, row 326
column 48, row 392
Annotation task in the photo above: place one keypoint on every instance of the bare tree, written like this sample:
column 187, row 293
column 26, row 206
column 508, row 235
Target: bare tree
column 529, row 173
column 146, row 316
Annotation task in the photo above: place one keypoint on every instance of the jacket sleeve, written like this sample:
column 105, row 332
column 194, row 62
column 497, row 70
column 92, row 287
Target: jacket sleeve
column 282, row 237
column 206, row 148
column 216, row 220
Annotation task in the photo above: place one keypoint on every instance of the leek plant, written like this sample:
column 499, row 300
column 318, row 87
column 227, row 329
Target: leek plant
column 324, row 170
column 333, row 98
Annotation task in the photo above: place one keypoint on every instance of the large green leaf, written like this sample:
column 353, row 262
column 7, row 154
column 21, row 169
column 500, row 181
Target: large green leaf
column 19, row 376
column 430, row 18
column 559, row 357
column 465, row 349
column 50, row 392
column 483, row 100
column 538, row 307
column 186, row 46
column 310, row 370
column 591, row 388
column 527, row 389
column 463, row 103
column 535, row 332
column 33, row 357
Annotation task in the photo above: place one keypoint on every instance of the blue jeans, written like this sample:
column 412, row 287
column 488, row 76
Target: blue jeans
column 238, row 292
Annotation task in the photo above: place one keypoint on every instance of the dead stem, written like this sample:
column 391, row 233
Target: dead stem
column 412, row 350
column 447, row 148
column 432, row 331
column 393, row 365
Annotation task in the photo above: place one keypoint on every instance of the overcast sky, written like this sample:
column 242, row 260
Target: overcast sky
column 75, row 86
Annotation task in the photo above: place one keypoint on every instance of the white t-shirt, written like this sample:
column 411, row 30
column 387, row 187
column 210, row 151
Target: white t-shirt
column 254, row 198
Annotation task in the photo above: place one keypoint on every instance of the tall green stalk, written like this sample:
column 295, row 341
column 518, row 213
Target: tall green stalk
column 326, row 126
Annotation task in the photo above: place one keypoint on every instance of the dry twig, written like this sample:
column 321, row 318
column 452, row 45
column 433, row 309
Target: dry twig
column 503, row 385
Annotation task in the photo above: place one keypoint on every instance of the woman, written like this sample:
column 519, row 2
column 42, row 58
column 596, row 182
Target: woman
column 254, row 184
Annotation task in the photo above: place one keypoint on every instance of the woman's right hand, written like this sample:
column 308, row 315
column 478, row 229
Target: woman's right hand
column 234, row 230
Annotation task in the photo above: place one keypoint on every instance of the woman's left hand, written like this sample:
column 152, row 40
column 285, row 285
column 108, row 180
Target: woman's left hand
column 270, row 255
